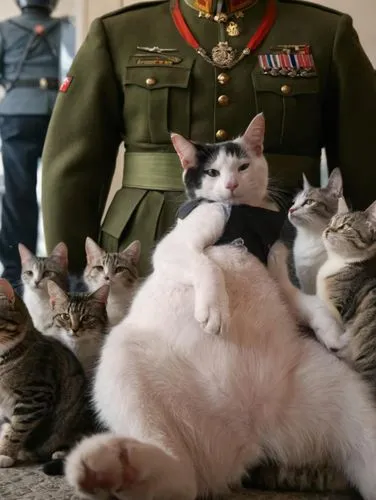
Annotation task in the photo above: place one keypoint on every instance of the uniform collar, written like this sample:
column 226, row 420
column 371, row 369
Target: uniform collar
column 211, row 6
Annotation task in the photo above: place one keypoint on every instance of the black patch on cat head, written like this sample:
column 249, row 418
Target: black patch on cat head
column 206, row 154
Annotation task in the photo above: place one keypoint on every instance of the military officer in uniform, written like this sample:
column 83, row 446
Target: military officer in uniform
column 202, row 68
column 29, row 73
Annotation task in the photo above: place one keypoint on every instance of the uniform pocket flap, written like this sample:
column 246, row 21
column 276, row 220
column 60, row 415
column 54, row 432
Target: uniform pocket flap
column 157, row 77
column 121, row 209
column 285, row 86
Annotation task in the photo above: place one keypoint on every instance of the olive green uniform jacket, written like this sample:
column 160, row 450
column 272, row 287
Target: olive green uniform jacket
column 113, row 98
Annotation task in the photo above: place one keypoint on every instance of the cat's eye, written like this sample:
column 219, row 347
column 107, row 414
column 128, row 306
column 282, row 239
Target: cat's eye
column 309, row 202
column 98, row 268
column 29, row 273
column 243, row 167
column 65, row 317
column 346, row 227
column 212, row 172
column 120, row 269
column 47, row 274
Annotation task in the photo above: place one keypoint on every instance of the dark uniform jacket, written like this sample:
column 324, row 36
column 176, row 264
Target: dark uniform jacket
column 113, row 96
column 26, row 57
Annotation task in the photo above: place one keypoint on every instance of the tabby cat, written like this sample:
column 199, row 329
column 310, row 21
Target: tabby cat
column 310, row 213
column 80, row 322
column 119, row 270
column 36, row 271
column 347, row 284
column 43, row 389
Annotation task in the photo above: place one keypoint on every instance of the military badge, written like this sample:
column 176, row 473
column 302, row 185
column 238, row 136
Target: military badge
column 288, row 60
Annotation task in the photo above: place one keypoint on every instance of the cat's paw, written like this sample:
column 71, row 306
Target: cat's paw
column 213, row 315
column 6, row 461
column 100, row 466
column 329, row 332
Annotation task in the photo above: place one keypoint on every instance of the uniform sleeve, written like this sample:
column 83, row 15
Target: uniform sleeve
column 81, row 147
column 350, row 116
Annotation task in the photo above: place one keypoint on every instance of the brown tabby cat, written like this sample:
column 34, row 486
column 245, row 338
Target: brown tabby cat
column 119, row 270
column 80, row 322
column 347, row 283
column 43, row 389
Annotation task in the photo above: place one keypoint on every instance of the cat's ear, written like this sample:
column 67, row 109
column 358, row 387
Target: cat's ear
column 60, row 254
column 342, row 206
column 56, row 294
column 185, row 150
column 133, row 251
column 101, row 295
column 7, row 290
column 371, row 211
column 253, row 137
column 93, row 251
column 25, row 254
column 306, row 184
column 335, row 184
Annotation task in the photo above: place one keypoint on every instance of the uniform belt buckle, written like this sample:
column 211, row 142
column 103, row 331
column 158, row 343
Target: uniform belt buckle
column 43, row 84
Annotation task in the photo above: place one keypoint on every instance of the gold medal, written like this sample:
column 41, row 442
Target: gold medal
column 233, row 29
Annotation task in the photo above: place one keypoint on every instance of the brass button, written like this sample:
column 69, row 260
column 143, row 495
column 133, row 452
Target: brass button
column 150, row 82
column 221, row 135
column 223, row 100
column 223, row 78
column 286, row 89
column 43, row 83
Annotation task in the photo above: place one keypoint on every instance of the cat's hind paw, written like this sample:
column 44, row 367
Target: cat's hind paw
column 6, row 461
column 99, row 466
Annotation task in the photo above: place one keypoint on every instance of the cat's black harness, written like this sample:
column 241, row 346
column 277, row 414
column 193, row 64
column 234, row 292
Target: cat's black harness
column 256, row 228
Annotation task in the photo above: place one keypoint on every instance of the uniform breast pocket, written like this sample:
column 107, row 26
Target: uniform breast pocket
column 156, row 102
column 292, row 109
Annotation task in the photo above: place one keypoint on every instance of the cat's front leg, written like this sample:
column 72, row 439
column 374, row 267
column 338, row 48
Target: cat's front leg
column 308, row 309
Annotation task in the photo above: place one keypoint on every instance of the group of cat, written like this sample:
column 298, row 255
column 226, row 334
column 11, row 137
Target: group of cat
column 207, row 375
column 50, row 343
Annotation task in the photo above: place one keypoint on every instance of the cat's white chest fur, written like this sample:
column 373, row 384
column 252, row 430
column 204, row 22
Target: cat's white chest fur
column 38, row 305
column 309, row 255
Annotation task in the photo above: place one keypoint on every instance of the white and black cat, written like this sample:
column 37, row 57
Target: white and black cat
column 188, row 411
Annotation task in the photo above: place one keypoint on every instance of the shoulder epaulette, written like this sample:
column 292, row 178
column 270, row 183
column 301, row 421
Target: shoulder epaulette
column 135, row 6
column 314, row 5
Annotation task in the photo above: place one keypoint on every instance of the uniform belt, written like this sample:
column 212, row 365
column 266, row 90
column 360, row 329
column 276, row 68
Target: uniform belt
column 41, row 83
column 153, row 171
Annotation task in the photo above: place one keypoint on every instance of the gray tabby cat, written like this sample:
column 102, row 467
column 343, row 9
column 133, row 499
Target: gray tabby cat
column 36, row 271
column 347, row 284
column 80, row 322
column 119, row 270
column 43, row 389
column 310, row 214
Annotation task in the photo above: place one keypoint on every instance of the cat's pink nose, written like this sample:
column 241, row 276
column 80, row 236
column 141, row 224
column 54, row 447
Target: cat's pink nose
column 232, row 185
column 292, row 210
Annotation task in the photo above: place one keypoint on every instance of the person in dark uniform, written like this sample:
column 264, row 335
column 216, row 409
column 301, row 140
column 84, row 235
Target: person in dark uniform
column 29, row 73
column 202, row 68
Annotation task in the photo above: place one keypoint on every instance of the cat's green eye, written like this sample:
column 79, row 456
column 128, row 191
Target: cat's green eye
column 309, row 202
column 98, row 268
column 212, row 172
column 243, row 167
column 65, row 317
